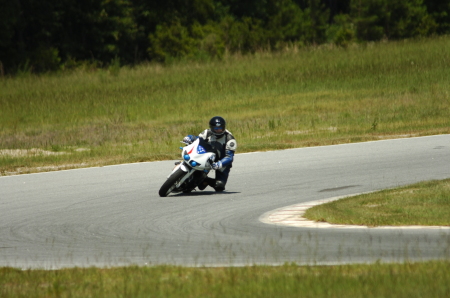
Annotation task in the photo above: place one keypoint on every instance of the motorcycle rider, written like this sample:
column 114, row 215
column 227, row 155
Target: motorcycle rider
column 224, row 142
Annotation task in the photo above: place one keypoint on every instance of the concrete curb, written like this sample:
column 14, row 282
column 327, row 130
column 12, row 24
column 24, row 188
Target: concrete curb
column 292, row 216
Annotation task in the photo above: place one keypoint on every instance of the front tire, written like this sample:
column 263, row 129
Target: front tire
column 171, row 182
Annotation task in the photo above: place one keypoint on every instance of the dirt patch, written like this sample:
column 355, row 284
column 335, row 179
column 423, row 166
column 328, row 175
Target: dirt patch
column 28, row 170
column 386, row 137
column 302, row 132
column 28, row 152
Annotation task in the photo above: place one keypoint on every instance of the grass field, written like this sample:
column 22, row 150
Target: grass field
column 425, row 203
column 429, row 279
column 301, row 97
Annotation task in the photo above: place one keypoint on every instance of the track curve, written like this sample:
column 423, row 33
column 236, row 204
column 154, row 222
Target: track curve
column 113, row 216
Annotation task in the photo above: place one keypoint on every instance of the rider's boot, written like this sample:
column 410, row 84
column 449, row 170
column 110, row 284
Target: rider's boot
column 208, row 181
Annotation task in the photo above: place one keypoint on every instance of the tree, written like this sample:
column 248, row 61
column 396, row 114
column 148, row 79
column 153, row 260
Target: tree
column 286, row 23
column 97, row 30
column 440, row 11
column 9, row 17
column 317, row 22
column 392, row 19
column 26, row 38
column 43, row 35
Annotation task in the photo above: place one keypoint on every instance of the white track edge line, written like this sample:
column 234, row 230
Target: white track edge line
column 254, row 152
column 292, row 216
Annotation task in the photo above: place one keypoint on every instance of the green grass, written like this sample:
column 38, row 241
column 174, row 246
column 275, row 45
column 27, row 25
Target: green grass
column 429, row 279
column 301, row 97
column 425, row 203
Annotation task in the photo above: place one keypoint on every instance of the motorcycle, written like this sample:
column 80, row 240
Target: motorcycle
column 196, row 163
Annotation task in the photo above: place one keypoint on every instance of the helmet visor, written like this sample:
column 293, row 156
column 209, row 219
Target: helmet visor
column 218, row 129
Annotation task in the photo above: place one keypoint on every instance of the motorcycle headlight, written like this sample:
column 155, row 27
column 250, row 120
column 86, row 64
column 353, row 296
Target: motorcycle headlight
column 186, row 157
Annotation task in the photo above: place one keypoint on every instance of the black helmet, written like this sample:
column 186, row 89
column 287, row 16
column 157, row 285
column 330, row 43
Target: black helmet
column 217, row 125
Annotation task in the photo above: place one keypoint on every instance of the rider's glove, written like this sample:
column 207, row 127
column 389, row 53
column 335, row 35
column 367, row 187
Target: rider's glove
column 189, row 139
column 217, row 165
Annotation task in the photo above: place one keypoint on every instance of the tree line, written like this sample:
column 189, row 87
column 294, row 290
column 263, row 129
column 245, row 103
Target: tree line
column 47, row 35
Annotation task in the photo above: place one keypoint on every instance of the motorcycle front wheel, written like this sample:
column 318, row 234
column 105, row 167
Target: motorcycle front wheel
column 171, row 182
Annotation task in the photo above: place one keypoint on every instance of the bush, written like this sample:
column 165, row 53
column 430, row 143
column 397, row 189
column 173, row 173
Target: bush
column 170, row 40
column 342, row 32
column 46, row 59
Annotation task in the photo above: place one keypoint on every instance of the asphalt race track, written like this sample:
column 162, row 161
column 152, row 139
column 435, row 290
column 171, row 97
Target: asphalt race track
column 113, row 216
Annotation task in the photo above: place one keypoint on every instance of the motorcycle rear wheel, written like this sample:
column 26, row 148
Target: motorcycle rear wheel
column 171, row 182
